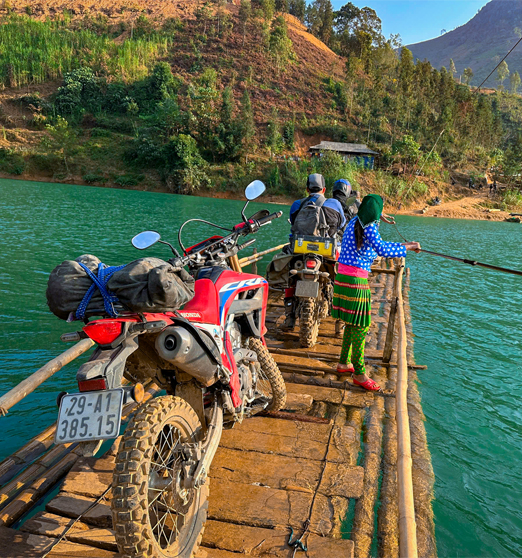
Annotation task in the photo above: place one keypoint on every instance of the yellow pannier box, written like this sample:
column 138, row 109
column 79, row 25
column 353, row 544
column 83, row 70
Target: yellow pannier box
column 315, row 245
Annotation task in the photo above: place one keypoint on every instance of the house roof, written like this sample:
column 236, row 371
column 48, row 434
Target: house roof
column 350, row 148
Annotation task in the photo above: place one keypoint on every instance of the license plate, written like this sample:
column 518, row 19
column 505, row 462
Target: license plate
column 307, row 289
column 93, row 415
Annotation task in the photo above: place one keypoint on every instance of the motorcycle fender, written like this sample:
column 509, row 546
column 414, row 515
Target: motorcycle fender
column 192, row 393
column 108, row 363
column 307, row 289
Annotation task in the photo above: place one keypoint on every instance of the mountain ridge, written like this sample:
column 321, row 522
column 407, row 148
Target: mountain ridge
column 480, row 43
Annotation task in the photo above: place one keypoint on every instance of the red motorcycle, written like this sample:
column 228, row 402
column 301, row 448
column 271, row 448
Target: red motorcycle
column 211, row 359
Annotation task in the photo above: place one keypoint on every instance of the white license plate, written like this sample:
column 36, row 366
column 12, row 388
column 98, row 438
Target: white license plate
column 92, row 415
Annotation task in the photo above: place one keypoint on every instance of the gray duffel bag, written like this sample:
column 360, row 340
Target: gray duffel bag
column 144, row 285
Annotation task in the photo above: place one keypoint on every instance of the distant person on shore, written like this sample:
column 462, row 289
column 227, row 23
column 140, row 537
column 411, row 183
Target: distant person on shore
column 362, row 243
column 471, row 183
column 495, row 186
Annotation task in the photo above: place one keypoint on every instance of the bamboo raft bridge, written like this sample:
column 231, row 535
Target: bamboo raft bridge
column 347, row 468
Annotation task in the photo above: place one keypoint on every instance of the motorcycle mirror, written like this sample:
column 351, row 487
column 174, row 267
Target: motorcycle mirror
column 145, row 239
column 254, row 190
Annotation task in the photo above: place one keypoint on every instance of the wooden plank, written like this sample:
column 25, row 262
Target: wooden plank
column 302, row 363
column 260, row 506
column 287, row 473
column 214, row 553
column 293, row 439
column 74, row 505
column 332, row 395
column 90, row 476
column 17, row 544
column 52, row 525
column 301, row 402
column 255, row 541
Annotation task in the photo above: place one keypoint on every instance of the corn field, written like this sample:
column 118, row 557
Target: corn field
column 37, row 51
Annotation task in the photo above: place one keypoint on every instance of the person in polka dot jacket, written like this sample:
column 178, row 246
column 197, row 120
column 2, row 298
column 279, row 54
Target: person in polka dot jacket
column 362, row 243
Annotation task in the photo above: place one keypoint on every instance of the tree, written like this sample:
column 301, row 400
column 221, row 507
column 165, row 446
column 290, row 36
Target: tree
column 514, row 82
column 406, row 71
column 320, row 19
column 268, row 7
column 282, row 6
column 280, row 44
column 298, row 9
column 247, row 121
column 228, row 141
column 62, row 140
column 452, row 68
column 274, row 139
column 161, row 83
column 245, row 12
column 468, row 75
column 203, row 14
column 502, row 74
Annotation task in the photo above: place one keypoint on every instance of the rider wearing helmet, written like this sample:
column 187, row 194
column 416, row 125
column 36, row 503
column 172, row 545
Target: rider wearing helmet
column 348, row 198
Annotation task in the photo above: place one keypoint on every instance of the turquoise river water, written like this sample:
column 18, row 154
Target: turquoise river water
column 467, row 323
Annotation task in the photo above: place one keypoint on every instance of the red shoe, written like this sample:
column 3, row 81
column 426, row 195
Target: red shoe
column 345, row 369
column 369, row 384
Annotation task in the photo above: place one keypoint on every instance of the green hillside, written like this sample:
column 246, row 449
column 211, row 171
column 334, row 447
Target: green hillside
column 203, row 97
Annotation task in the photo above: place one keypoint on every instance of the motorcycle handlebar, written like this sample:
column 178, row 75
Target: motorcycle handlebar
column 268, row 218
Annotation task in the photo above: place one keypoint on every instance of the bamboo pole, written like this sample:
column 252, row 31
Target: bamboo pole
column 407, row 525
column 28, row 385
column 250, row 259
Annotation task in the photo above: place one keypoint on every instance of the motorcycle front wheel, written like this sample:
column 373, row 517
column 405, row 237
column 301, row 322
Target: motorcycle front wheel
column 154, row 514
column 309, row 322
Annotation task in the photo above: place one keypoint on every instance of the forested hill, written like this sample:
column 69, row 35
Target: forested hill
column 479, row 44
column 204, row 95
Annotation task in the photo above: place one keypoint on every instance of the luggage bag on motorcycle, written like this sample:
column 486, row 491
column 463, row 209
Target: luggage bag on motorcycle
column 315, row 245
column 144, row 285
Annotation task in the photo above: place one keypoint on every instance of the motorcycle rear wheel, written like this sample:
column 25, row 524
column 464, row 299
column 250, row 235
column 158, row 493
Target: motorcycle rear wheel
column 271, row 380
column 154, row 515
column 309, row 322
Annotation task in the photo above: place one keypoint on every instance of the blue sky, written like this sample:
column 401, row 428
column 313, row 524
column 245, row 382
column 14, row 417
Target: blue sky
column 419, row 20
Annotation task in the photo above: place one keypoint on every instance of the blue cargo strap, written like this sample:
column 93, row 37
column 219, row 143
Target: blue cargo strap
column 105, row 272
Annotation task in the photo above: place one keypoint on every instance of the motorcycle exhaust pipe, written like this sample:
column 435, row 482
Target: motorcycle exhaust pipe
column 176, row 345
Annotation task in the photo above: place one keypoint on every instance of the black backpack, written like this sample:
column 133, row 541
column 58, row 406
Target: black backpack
column 310, row 219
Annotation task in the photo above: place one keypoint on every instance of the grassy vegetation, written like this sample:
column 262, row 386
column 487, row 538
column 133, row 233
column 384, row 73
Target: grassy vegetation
column 37, row 51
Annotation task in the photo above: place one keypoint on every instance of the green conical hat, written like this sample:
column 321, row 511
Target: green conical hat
column 370, row 209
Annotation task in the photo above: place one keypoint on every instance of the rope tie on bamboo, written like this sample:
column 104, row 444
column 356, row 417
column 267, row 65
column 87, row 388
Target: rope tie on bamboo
column 298, row 543
column 105, row 272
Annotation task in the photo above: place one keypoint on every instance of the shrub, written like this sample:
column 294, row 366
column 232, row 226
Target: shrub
column 129, row 179
column 511, row 199
column 91, row 178
column 145, row 152
column 11, row 161
column 81, row 90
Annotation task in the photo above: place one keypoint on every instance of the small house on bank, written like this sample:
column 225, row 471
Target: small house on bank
column 357, row 152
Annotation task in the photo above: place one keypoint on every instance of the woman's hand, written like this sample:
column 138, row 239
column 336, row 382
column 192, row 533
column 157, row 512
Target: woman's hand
column 415, row 246
column 388, row 219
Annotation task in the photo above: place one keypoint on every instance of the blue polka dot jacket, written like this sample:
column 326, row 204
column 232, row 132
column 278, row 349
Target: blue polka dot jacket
column 373, row 246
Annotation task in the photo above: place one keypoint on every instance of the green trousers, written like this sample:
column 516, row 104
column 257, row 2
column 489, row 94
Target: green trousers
column 352, row 350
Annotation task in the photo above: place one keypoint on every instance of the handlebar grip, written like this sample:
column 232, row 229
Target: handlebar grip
column 269, row 218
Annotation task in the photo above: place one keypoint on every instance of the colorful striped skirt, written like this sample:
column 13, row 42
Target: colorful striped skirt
column 352, row 300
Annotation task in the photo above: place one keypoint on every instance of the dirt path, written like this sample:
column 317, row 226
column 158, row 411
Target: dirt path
column 469, row 207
